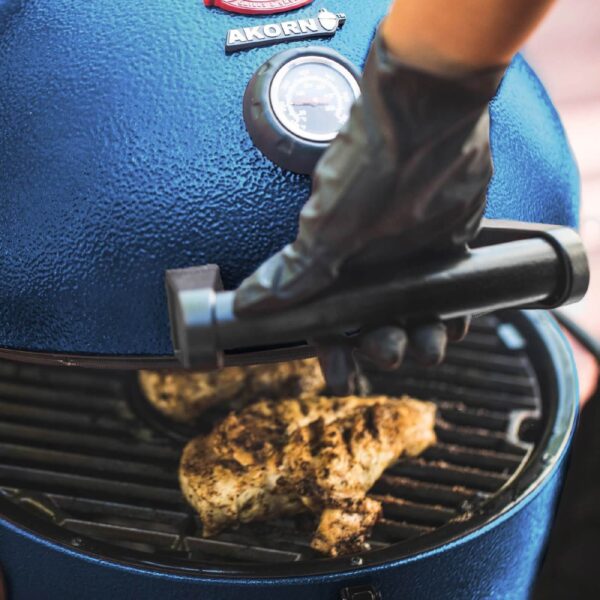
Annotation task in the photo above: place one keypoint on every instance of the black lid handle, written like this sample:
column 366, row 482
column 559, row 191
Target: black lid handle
column 509, row 265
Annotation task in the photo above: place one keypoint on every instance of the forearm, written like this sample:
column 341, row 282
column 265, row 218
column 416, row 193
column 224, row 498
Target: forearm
column 462, row 35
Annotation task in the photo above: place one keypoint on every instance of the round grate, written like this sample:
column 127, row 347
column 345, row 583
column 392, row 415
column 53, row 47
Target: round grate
column 73, row 451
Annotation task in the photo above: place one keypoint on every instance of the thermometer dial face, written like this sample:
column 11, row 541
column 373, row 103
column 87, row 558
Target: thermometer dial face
column 311, row 97
column 297, row 102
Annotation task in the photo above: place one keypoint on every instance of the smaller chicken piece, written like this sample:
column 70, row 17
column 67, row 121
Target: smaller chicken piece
column 317, row 454
column 183, row 396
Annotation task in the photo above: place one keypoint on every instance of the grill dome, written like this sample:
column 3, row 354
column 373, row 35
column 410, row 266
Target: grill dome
column 123, row 153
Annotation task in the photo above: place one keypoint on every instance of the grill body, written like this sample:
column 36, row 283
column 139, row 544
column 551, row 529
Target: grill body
column 493, row 554
column 497, row 561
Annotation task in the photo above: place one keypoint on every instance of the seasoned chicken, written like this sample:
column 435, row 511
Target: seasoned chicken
column 183, row 396
column 312, row 454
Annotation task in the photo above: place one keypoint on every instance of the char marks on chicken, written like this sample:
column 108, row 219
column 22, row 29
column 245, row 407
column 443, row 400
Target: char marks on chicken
column 184, row 396
column 311, row 454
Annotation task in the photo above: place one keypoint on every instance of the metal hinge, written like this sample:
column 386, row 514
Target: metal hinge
column 361, row 592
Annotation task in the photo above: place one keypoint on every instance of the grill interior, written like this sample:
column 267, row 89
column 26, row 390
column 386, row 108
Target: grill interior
column 74, row 451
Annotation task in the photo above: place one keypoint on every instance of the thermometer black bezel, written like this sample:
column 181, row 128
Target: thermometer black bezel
column 270, row 136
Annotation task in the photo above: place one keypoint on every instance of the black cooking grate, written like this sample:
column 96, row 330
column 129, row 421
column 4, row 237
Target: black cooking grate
column 73, row 450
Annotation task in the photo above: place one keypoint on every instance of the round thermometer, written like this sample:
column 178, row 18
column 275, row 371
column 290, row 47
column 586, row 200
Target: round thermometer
column 296, row 104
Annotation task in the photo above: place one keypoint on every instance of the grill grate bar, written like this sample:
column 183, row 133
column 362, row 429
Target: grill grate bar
column 53, row 481
column 476, row 438
column 270, row 536
column 394, row 531
column 485, row 362
column 241, row 552
column 453, row 496
column 481, row 418
column 398, row 509
column 26, row 413
column 87, row 464
column 80, row 379
column 76, row 400
column 474, row 378
column 44, row 437
column 442, row 472
column 481, row 459
column 109, row 532
column 86, row 507
column 470, row 397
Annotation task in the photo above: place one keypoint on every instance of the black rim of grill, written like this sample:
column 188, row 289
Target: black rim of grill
column 78, row 466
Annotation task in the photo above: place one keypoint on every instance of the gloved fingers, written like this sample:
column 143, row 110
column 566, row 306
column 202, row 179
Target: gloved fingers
column 287, row 278
column 384, row 347
column 340, row 370
column 428, row 342
column 457, row 328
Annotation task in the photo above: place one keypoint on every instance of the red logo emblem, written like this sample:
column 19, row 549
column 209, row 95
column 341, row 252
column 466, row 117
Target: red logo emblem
column 257, row 7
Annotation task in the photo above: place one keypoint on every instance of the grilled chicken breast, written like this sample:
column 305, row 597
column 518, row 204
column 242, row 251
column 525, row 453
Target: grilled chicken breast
column 183, row 396
column 317, row 454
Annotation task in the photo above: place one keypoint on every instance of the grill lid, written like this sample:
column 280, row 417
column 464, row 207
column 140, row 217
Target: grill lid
column 124, row 154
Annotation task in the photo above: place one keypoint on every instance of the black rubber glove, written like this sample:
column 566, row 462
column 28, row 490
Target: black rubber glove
column 406, row 176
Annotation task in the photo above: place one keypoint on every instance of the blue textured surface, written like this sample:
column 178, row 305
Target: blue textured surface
column 497, row 561
column 123, row 153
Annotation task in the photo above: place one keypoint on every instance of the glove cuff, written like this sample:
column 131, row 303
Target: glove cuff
column 423, row 103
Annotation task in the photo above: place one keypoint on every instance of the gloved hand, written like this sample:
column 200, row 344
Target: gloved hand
column 406, row 177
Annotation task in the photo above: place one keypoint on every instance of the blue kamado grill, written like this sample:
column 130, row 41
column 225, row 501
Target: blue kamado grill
column 129, row 155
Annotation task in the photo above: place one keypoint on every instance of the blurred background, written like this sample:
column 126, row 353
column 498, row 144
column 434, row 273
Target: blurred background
column 565, row 52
